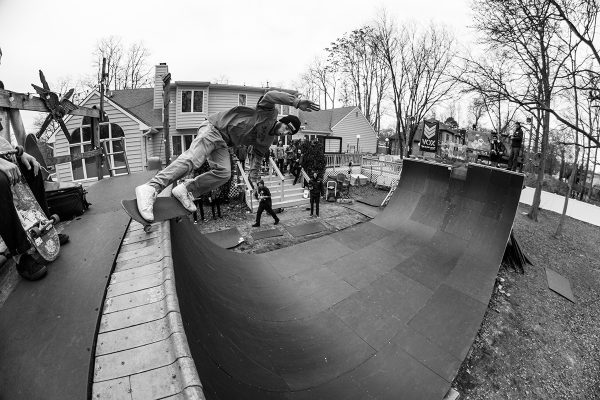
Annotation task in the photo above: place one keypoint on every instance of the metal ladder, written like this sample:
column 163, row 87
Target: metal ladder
column 109, row 165
column 391, row 192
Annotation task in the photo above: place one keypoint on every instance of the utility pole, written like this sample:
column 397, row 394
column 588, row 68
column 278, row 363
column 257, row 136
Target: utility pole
column 96, row 121
column 166, row 101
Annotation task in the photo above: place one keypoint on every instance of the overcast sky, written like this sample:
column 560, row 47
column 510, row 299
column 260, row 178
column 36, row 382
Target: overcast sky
column 248, row 42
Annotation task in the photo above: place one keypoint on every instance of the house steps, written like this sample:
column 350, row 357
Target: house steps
column 293, row 194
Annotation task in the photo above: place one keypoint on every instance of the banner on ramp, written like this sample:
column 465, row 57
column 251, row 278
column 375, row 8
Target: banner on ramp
column 429, row 139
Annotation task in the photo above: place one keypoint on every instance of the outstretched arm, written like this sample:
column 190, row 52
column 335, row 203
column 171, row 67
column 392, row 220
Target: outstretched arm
column 273, row 97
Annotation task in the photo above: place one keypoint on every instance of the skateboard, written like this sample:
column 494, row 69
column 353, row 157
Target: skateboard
column 38, row 228
column 164, row 208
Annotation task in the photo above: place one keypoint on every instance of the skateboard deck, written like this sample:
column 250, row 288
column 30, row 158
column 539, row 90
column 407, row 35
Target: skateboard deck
column 164, row 208
column 39, row 229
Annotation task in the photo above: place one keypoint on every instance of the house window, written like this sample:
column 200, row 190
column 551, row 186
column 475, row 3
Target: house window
column 333, row 144
column 82, row 142
column 241, row 99
column 180, row 143
column 192, row 100
column 285, row 110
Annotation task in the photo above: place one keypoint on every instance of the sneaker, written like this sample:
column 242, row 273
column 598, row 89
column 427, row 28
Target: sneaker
column 256, row 225
column 30, row 269
column 63, row 238
column 186, row 199
column 276, row 221
column 146, row 195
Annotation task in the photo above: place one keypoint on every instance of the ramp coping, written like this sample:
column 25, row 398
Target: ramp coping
column 141, row 350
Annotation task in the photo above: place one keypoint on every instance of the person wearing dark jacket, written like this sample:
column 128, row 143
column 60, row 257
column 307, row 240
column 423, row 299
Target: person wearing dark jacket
column 239, row 125
column 315, row 186
column 515, row 147
column 29, row 264
column 297, row 165
column 496, row 149
column 263, row 194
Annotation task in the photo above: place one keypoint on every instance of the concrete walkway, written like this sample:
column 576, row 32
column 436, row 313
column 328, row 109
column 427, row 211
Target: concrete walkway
column 553, row 202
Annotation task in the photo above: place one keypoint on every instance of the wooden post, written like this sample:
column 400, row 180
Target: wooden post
column 96, row 145
column 96, row 121
column 166, row 100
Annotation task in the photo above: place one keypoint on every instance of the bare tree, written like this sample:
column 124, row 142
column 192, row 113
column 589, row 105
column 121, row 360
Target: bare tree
column 477, row 109
column 530, row 35
column 324, row 76
column 110, row 48
column 136, row 73
column 419, row 62
column 355, row 56
column 126, row 69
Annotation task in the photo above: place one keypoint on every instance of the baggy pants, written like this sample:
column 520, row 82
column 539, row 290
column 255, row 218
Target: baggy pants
column 265, row 206
column 513, row 158
column 208, row 145
column 314, row 201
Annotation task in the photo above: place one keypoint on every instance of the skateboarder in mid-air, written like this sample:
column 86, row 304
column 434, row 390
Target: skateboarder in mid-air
column 237, row 126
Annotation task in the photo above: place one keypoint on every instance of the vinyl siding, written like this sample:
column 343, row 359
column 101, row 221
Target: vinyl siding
column 190, row 119
column 131, row 129
column 355, row 123
column 224, row 99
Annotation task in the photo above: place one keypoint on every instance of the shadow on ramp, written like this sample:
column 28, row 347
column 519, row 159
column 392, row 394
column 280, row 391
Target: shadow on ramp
column 384, row 310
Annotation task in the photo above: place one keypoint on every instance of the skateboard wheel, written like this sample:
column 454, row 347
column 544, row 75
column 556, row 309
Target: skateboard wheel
column 19, row 151
column 55, row 218
column 147, row 228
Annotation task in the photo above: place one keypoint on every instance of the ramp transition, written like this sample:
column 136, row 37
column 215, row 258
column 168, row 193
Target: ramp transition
column 384, row 310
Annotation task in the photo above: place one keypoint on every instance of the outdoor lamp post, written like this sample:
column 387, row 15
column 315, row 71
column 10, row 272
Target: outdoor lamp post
column 387, row 145
column 357, row 141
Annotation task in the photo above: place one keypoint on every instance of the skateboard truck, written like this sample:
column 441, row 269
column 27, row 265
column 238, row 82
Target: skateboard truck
column 43, row 226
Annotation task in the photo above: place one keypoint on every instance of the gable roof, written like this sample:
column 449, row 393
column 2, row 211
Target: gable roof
column 139, row 102
column 322, row 121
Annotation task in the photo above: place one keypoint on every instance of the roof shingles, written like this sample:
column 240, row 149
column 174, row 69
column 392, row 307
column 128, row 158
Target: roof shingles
column 324, row 120
column 138, row 102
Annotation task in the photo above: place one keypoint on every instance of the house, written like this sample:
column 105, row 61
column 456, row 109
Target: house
column 343, row 130
column 136, row 116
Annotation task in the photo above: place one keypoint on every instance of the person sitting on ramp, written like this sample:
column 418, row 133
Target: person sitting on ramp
column 239, row 125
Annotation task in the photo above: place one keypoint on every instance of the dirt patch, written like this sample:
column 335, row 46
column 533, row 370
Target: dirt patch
column 334, row 216
column 533, row 343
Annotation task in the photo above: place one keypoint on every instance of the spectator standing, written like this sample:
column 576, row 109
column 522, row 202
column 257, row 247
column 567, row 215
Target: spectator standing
column 297, row 165
column 290, row 155
column 516, row 142
column 280, row 154
column 315, row 186
column 215, row 199
column 263, row 194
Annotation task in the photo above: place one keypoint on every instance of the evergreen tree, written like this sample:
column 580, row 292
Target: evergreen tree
column 313, row 157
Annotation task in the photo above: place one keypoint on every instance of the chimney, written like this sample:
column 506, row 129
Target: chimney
column 159, row 71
